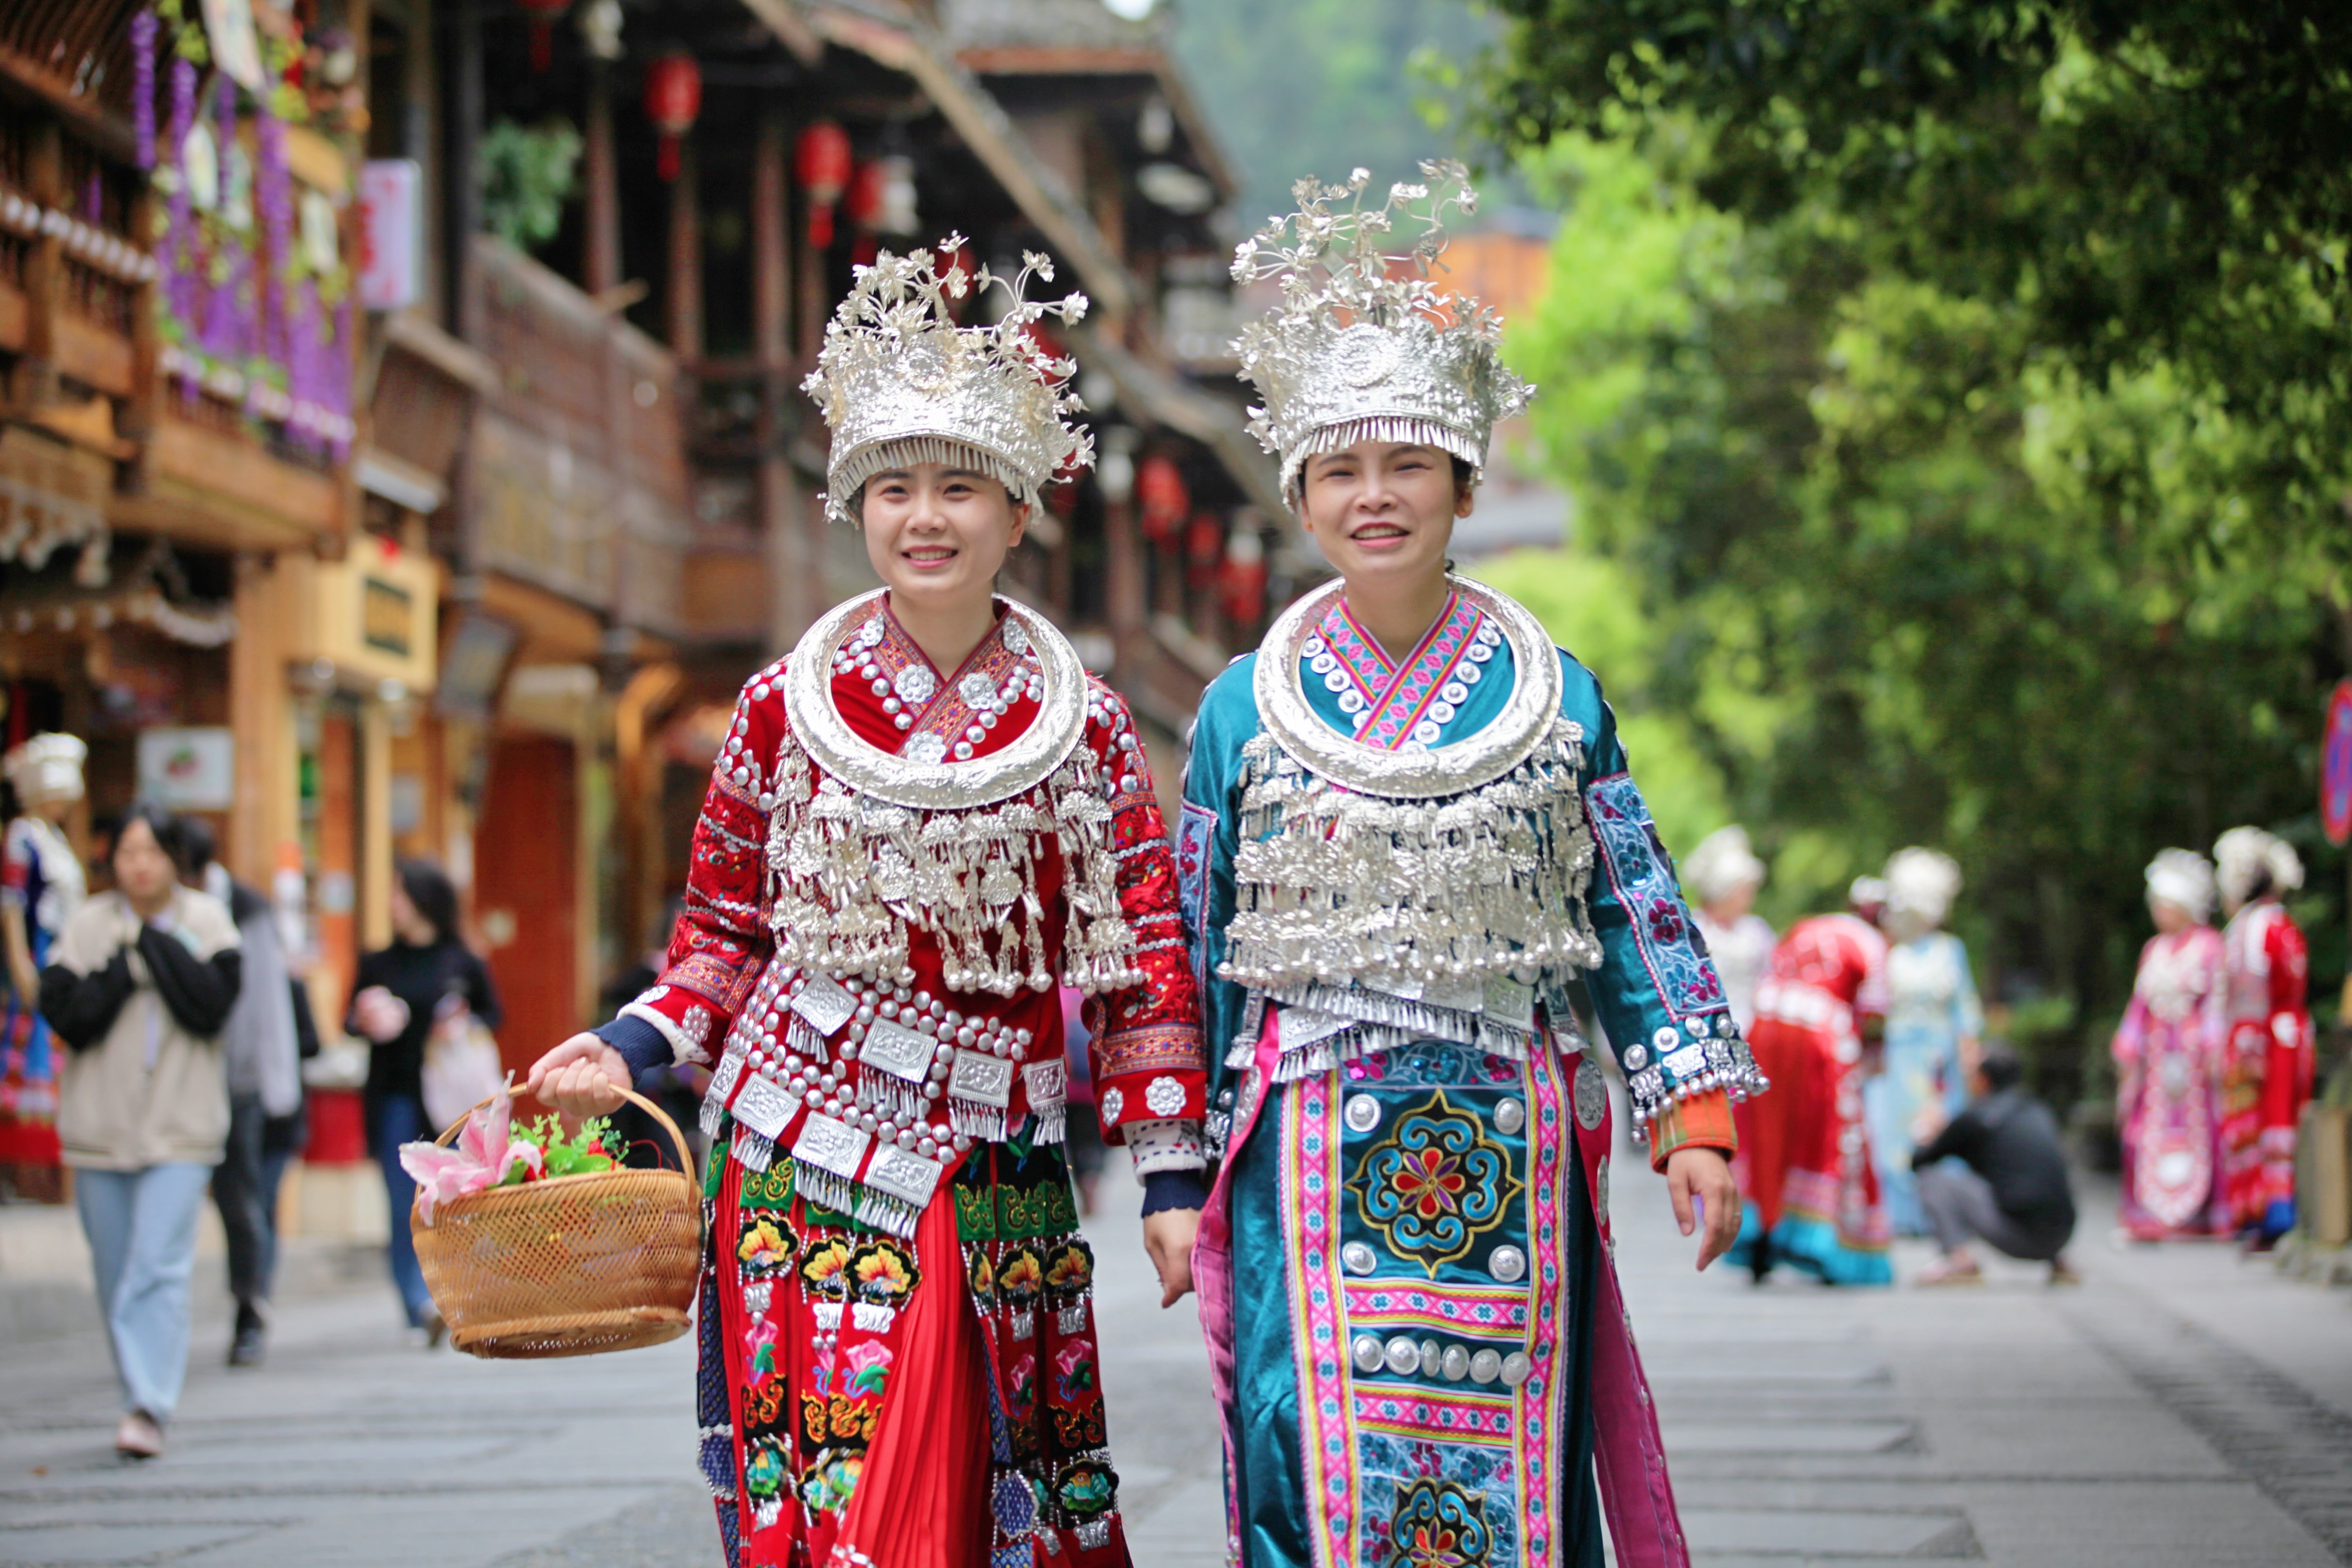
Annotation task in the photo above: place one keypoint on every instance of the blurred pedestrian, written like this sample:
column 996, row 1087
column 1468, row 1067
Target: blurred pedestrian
column 676, row 1087
column 1723, row 874
column 2271, row 1057
column 426, row 978
column 2166, row 1109
column 1933, row 1021
column 261, row 1051
column 142, row 978
column 1997, row 1173
column 41, row 884
column 1805, row 1152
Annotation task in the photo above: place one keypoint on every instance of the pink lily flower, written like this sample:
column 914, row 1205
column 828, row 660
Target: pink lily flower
column 484, row 1154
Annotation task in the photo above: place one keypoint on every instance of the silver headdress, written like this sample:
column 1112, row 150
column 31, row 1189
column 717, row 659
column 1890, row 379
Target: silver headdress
column 901, row 383
column 1364, row 347
column 46, row 767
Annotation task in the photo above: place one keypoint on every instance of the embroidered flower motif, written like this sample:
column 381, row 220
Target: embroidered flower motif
column 828, row 1487
column 1020, row 1388
column 869, row 1364
column 824, row 1268
column 1165, row 1098
column 883, row 1274
column 1438, row 1524
column 1074, row 1371
column 1435, row 1183
column 1071, row 1271
column 1021, row 1278
column 766, row 1248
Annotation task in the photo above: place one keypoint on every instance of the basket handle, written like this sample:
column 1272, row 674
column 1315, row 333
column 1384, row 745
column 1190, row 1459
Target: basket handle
column 684, row 1154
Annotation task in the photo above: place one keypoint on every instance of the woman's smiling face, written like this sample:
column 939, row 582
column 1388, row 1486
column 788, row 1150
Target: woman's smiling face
column 1382, row 510
column 938, row 535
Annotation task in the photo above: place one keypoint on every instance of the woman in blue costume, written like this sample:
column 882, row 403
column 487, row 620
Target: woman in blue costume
column 1410, row 855
column 1933, row 1024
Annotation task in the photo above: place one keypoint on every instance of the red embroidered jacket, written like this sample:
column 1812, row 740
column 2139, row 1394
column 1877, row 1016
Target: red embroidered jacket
column 1148, row 1057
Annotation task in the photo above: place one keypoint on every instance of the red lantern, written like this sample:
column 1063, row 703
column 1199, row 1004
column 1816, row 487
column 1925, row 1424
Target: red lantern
column 1241, row 581
column 1160, row 494
column 673, row 101
column 864, row 203
column 543, row 15
column 822, row 160
column 1204, row 548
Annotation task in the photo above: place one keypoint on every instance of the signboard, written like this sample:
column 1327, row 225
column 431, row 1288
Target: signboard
column 2335, row 767
column 188, row 769
column 378, row 613
column 391, row 232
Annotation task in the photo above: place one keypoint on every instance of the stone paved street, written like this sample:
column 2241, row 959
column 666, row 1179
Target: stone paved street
column 2182, row 1408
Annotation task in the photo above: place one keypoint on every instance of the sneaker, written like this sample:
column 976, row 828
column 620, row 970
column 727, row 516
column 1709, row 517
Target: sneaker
column 1949, row 1271
column 139, row 1437
column 252, row 1332
column 436, row 1330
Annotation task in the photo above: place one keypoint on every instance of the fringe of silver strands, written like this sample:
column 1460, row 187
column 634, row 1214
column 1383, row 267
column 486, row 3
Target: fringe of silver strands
column 844, row 483
column 1344, row 890
column 853, row 876
column 1400, row 429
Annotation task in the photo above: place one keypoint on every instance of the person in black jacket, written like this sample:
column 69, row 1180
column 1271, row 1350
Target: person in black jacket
column 2010, row 1186
column 400, row 993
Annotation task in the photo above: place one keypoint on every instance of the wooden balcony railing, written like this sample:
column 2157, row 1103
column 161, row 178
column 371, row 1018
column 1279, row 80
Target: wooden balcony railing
column 577, row 469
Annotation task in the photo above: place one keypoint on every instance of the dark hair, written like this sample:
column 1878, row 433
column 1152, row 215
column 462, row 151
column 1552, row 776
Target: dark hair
column 170, row 833
column 435, row 897
column 1999, row 1065
column 197, row 848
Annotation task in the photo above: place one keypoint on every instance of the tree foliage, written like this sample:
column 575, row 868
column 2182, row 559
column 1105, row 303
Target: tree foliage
column 1903, row 579
column 2152, row 187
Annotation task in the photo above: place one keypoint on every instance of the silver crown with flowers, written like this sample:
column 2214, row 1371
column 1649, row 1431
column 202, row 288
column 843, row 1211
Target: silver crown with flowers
column 1363, row 346
column 46, row 767
column 901, row 383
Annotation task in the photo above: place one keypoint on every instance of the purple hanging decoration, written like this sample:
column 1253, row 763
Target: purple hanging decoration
column 273, row 192
column 142, row 86
column 180, row 259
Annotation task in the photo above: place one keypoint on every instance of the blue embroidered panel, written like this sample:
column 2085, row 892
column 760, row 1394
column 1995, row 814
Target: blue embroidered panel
column 1643, row 878
column 1196, row 839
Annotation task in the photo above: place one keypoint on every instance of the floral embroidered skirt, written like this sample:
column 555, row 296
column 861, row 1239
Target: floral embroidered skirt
column 931, row 1403
column 1407, row 1337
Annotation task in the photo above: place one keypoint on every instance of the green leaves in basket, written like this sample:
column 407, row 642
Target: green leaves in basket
column 595, row 1147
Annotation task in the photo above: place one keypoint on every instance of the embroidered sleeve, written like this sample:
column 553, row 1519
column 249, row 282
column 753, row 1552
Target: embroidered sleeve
column 1149, row 1063
column 1169, row 1145
column 1655, row 991
column 721, row 939
column 1702, row 1121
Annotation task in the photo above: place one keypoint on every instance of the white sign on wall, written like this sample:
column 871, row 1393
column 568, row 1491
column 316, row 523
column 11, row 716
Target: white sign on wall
column 392, row 224
column 188, row 769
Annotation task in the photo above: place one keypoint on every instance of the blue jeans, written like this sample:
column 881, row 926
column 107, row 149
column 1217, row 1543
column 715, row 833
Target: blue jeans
column 394, row 1120
column 141, row 1226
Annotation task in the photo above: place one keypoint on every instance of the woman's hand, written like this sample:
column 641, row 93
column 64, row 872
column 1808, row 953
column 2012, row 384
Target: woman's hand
column 1703, row 1176
column 1168, row 1236
column 581, row 1077
column 380, row 1014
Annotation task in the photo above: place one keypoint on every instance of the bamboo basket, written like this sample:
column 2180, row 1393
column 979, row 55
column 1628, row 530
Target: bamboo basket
column 569, row 1266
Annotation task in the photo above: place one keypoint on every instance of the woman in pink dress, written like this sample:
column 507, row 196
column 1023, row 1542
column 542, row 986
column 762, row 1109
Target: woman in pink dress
column 2167, row 1052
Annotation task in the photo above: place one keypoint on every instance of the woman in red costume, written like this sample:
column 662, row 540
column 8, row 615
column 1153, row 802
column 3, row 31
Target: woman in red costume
column 921, row 823
column 1804, row 1154
column 2271, row 1057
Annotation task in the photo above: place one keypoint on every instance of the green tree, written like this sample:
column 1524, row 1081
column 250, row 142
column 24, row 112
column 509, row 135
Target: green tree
column 1902, row 582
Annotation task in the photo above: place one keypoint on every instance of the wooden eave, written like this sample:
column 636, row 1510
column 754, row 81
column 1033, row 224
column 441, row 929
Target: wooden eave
column 1033, row 59
column 915, row 48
